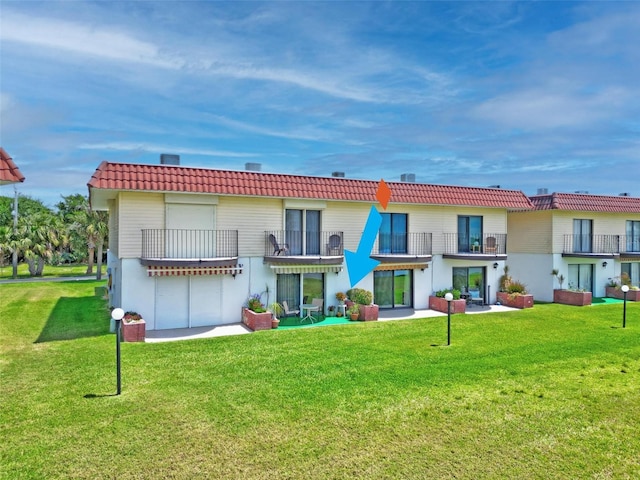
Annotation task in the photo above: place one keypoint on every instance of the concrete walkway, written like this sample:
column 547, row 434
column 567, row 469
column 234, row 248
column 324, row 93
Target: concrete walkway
column 175, row 334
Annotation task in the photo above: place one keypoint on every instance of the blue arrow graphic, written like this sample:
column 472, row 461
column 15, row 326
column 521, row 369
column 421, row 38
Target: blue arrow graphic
column 358, row 263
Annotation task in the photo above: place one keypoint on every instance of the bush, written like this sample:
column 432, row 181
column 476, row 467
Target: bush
column 360, row 296
column 455, row 292
column 516, row 287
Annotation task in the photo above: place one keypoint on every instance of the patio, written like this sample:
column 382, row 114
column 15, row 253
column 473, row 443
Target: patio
column 171, row 335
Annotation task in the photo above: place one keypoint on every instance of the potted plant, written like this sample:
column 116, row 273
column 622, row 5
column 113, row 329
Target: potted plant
column 353, row 312
column 364, row 299
column 331, row 311
column 513, row 293
column 255, row 315
column 572, row 296
column 341, row 297
column 438, row 303
column 133, row 327
column 276, row 309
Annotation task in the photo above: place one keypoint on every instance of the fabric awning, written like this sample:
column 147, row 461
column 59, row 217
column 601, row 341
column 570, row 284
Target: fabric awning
column 306, row 268
column 156, row 271
column 401, row 266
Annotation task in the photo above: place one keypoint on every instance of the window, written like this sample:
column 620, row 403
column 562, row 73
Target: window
column 392, row 237
column 632, row 270
column 469, row 233
column 633, row 236
column 297, row 288
column 581, row 236
column 581, row 277
column 392, row 288
column 469, row 280
column 302, row 231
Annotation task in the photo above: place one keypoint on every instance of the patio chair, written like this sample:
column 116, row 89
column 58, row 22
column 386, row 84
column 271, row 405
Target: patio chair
column 277, row 249
column 490, row 245
column 318, row 302
column 287, row 310
column 333, row 247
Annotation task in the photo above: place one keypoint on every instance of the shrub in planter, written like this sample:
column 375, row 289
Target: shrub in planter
column 438, row 303
column 513, row 293
column 572, row 297
column 364, row 298
column 133, row 327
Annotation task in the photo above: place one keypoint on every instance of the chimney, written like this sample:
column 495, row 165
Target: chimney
column 337, row 174
column 542, row 191
column 408, row 177
column 253, row 167
column 169, row 159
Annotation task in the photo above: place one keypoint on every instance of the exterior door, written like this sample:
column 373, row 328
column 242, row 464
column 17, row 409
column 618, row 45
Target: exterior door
column 393, row 288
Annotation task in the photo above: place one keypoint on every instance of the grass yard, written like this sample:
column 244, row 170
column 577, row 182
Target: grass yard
column 6, row 271
column 548, row 392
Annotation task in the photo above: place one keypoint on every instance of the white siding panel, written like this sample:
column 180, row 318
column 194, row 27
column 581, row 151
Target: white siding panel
column 138, row 211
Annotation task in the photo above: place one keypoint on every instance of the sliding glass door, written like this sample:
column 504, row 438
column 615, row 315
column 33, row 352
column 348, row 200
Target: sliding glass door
column 392, row 288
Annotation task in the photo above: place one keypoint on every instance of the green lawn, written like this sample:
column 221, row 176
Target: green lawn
column 551, row 392
column 6, row 271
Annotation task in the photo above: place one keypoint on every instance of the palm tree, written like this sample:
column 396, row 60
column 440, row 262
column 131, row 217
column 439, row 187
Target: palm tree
column 93, row 226
column 38, row 236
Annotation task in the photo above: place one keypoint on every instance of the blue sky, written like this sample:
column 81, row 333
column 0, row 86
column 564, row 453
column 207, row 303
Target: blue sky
column 525, row 95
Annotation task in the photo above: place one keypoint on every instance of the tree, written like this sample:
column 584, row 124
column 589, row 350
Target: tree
column 38, row 236
column 89, row 225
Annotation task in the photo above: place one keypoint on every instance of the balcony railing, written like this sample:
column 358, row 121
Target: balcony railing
column 189, row 244
column 485, row 244
column 297, row 243
column 601, row 244
column 406, row 244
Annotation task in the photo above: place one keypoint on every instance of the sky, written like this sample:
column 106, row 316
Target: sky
column 524, row 95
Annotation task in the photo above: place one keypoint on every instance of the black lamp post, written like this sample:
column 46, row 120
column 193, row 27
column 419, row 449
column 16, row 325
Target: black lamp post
column 117, row 315
column 448, row 297
column 625, row 289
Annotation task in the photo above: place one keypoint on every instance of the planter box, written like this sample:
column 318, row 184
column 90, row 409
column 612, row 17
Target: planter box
column 515, row 301
column 569, row 297
column 133, row 332
column 439, row 304
column 256, row 321
column 369, row 312
column 632, row 295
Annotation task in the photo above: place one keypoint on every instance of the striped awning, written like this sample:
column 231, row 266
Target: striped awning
column 306, row 268
column 401, row 266
column 156, row 271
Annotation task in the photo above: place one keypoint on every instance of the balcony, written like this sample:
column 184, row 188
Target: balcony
column 189, row 248
column 303, row 248
column 601, row 246
column 403, row 248
column 488, row 246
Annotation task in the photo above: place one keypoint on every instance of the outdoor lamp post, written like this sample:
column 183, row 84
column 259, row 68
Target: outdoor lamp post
column 448, row 297
column 625, row 289
column 117, row 315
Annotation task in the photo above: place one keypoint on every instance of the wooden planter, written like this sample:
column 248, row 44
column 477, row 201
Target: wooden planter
column 615, row 292
column 133, row 331
column 569, row 297
column 515, row 300
column 439, row 304
column 256, row 321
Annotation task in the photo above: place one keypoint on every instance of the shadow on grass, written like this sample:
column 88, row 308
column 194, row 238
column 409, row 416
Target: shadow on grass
column 76, row 317
column 100, row 395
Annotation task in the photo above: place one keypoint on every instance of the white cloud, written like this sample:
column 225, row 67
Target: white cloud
column 155, row 148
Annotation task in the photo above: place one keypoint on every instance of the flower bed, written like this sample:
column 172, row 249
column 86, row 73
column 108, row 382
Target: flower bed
column 439, row 304
column 571, row 297
column 515, row 300
column 615, row 292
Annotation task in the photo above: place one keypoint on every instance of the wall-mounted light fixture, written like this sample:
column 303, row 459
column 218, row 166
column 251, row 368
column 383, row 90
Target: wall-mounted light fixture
column 604, row 264
column 495, row 265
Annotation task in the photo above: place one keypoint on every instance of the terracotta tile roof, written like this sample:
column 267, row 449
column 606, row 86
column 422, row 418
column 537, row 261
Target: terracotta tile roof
column 9, row 172
column 172, row 178
column 586, row 203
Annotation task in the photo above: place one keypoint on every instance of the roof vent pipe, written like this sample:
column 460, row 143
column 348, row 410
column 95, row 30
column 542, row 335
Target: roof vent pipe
column 408, row 177
column 169, row 159
column 337, row 174
column 494, row 186
column 253, row 167
column 624, row 194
